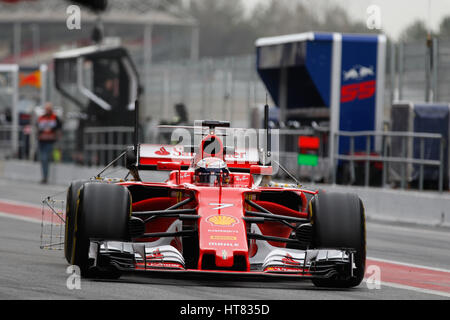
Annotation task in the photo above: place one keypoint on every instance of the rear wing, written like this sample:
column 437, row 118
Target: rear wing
column 149, row 155
column 239, row 158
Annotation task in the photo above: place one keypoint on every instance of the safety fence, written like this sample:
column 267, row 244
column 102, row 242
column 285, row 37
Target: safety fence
column 103, row 144
column 398, row 159
column 9, row 149
column 5, row 141
column 403, row 160
column 423, row 70
column 229, row 88
column 221, row 88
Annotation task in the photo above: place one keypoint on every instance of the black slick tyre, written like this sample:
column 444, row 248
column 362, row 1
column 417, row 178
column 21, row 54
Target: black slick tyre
column 339, row 222
column 103, row 213
column 71, row 208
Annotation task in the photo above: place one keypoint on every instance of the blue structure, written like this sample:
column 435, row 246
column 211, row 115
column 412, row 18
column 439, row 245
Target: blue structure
column 423, row 118
column 333, row 76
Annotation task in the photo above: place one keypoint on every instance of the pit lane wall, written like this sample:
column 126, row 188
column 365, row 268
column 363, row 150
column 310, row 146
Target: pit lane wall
column 424, row 208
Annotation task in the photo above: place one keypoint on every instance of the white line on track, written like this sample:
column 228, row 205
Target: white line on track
column 18, row 217
column 21, row 203
column 409, row 264
column 409, row 288
column 417, row 229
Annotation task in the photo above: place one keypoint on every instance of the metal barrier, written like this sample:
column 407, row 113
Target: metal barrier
column 8, row 148
column 102, row 144
column 230, row 86
column 386, row 159
column 225, row 88
column 289, row 151
column 423, row 70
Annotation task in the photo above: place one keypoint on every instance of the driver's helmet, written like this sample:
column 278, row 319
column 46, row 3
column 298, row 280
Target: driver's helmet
column 211, row 171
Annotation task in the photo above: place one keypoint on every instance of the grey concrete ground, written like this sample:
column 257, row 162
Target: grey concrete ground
column 26, row 272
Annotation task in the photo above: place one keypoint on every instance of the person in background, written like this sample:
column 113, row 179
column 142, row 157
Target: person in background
column 49, row 131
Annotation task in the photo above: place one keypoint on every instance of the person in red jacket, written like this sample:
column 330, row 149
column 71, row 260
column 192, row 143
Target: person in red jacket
column 49, row 130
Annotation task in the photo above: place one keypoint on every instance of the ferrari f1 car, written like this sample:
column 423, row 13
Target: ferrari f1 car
column 212, row 215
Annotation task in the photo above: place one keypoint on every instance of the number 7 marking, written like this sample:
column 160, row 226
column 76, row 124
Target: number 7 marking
column 221, row 205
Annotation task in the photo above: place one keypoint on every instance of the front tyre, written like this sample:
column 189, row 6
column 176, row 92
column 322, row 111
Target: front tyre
column 339, row 222
column 71, row 209
column 103, row 213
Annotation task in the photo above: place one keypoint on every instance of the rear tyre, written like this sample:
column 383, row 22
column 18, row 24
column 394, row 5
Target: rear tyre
column 103, row 213
column 339, row 222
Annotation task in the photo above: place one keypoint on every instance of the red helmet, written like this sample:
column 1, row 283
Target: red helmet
column 211, row 171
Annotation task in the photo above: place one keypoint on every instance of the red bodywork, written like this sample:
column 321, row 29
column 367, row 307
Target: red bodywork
column 222, row 232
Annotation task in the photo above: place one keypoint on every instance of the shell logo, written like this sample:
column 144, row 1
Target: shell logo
column 222, row 220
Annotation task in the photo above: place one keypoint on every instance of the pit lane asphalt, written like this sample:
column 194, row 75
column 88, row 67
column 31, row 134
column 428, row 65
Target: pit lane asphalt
column 27, row 272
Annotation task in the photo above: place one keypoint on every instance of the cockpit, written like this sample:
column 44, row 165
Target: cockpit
column 211, row 171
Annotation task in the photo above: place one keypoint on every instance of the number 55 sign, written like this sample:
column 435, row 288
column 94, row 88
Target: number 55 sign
column 362, row 90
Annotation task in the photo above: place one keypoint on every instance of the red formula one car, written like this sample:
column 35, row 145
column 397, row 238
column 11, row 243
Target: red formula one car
column 213, row 215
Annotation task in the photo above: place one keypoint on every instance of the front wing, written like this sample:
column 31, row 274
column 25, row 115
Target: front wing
column 279, row 262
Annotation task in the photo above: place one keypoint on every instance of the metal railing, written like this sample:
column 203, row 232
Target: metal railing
column 6, row 150
column 423, row 70
column 289, row 152
column 102, row 144
column 395, row 152
column 7, row 147
column 386, row 157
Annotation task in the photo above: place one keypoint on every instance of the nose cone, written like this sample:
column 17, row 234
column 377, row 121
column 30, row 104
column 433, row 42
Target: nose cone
column 225, row 258
column 222, row 231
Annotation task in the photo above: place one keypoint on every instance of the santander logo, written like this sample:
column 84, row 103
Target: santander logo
column 162, row 152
